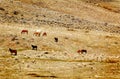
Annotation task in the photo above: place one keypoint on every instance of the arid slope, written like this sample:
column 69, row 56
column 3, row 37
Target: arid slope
column 84, row 9
column 78, row 24
column 72, row 14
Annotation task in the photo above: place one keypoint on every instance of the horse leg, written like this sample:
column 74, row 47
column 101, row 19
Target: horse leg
column 15, row 53
column 82, row 52
column 12, row 53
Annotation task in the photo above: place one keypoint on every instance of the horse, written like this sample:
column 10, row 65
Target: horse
column 82, row 51
column 34, row 47
column 38, row 30
column 24, row 31
column 37, row 33
column 56, row 39
column 13, row 52
column 44, row 34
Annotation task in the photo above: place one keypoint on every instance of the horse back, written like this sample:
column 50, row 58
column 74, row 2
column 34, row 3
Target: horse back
column 24, row 31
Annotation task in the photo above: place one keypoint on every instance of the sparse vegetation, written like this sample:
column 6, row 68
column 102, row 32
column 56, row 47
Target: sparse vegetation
column 36, row 75
column 77, row 24
column 112, row 60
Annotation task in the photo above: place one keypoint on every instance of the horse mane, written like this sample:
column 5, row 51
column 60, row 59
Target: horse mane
column 10, row 49
column 32, row 45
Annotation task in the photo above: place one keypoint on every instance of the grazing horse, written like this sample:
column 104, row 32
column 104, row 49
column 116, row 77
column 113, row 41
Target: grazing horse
column 56, row 39
column 82, row 51
column 44, row 34
column 13, row 52
column 24, row 31
column 34, row 47
column 37, row 33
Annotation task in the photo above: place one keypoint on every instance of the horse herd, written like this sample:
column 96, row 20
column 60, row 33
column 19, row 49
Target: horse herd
column 36, row 33
column 14, row 52
column 34, row 47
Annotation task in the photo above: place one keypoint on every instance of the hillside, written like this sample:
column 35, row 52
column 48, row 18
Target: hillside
column 75, row 14
column 87, row 45
column 82, row 8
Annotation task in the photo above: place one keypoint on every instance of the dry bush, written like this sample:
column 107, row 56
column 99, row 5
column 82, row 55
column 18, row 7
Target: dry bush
column 37, row 75
column 109, row 7
column 96, row 1
column 71, row 29
column 50, row 48
column 112, row 60
column 2, row 9
column 15, row 12
column 87, row 31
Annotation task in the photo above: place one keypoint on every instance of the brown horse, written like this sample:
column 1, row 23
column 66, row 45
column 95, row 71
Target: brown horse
column 37, row 33
column 44, row 34
column 13, row 52
column 24, row 31
column 82, row 51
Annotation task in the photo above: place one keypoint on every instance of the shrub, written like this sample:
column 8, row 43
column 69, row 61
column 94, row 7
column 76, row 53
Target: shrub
column 112, row 60
column 15, row 12
column 2, row 9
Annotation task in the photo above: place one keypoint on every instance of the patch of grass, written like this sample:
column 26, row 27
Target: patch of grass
column 71, row 29
column 58, row 60
column 1, row 41
column 87, row 31
column 37, row 75
column 110, row 7
column 111, row 60
column 21, row 49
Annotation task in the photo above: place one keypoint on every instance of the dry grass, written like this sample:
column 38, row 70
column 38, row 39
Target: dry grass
column 61, row 60
column 112, row 60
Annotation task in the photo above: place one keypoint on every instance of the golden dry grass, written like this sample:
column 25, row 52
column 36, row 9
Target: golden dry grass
column 58, row 60
column 29, row 63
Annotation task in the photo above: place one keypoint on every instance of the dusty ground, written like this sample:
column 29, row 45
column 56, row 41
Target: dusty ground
column 62, row 61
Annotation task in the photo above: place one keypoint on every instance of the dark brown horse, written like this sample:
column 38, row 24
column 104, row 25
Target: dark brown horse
column 82, row 51
column 34, row 47
column 36, row 33
column 24, row 31
column 13, row 52
column 56, row 39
